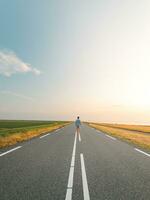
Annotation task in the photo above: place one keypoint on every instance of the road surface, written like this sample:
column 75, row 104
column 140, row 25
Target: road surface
column 62, row 166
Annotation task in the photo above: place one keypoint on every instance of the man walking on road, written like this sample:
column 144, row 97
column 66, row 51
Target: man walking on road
column 78, row 124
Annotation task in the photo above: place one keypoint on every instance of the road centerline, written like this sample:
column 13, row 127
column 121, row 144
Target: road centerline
column 84, row 179
column 70, row 180
column 79, row 137
column 69, row 194
column 71, row 172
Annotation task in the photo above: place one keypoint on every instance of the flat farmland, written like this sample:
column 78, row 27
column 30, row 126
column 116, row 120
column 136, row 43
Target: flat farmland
column 13, row 131
column 138, row 135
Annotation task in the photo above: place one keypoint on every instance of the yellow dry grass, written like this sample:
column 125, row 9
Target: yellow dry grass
column 141, row 128
column 19, row 137
column 140, row 139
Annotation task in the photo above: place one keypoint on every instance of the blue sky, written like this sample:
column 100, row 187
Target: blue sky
column 62, row 58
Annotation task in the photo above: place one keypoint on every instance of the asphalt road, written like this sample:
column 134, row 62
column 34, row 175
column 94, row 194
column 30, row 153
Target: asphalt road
column 62, row 166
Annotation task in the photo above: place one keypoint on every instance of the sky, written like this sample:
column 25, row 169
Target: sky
column 64, row 58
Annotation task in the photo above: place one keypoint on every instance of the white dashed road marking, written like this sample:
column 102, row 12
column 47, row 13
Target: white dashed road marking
column 44, row 135
column 142, row 152
column 84, row 179
column 2, row 154
column 111, row 137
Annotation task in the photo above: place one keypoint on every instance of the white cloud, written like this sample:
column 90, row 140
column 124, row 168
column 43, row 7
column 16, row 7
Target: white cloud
column 16, row 95
column 11, row 64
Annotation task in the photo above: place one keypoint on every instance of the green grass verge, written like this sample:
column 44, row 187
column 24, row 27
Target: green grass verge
column 8, row 127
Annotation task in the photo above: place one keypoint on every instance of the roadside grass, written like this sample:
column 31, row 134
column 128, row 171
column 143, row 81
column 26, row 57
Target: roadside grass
column 140, row 128
column 26, row 130
column 24, row 123
column 140, row 139
column 19, row 126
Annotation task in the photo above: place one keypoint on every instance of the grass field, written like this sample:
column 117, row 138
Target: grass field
column 136, row 134
column 22, row 123
column 139, row 128
column 13, row 131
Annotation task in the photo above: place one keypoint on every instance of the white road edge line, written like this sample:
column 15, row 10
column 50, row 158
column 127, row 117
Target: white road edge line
column 71, row 172
column 2, row 154
column 142, row 152
column 44, row 135
column 84, row 179
column 110, row 137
